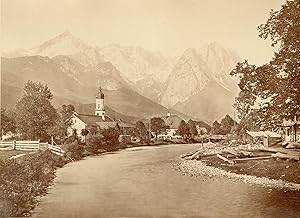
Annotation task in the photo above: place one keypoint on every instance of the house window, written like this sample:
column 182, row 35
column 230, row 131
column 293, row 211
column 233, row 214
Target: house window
column 98, row 106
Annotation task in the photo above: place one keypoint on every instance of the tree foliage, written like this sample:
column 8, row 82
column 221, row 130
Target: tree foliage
column 216, row 128
column 184, row 130
column 110, row 137
column 35, row 114
column 141, row 131
column 157, row 125
column 226, row 124
column 63, row 122
column 192, row 128
column 8, row 123
column 276, row 84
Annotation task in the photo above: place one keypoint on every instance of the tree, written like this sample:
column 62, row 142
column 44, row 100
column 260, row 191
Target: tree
column 92, row 129
column 62, row 124
column 8, row 123
column 226, row 124
column 183, row 130
column 275, row 84
column 216, row 128
column 35, row 114
column 192, row 128
column 110, row 137
column 141, row 131
column 157, row 125
column 84, row 133
column 66, row 114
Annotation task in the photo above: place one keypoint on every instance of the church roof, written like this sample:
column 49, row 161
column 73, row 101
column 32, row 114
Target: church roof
column 124, row 124
column 93, row 119
column 106, row 125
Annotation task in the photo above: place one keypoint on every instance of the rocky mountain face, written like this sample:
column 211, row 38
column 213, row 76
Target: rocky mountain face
column 71, row 83
column 134, row 78
column 146, row 71
column 200, row 81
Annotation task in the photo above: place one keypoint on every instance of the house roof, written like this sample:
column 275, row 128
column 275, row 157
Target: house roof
column 106, row 125
column 172, row 121
column 264, row 134
column 93, row 119
column 124, row 124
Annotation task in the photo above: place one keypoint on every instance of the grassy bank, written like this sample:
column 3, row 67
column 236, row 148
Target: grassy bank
column 4, row 155
column 24, row 179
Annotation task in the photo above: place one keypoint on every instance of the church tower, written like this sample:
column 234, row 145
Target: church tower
column 99, row 111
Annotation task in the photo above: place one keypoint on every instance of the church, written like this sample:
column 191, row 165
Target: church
column 98, row 120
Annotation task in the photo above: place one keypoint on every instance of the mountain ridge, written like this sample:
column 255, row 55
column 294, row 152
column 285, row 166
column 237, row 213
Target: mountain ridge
column 168, row 81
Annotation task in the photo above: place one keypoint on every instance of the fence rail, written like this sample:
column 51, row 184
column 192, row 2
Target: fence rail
column 30, row 146
column 56, row 150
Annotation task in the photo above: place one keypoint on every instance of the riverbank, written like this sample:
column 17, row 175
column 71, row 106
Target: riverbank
column 27, row 178
column 272, row 173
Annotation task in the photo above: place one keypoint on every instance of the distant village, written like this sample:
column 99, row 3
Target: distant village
column 171, row 128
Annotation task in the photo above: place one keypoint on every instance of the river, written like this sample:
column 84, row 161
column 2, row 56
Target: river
column 141, row 182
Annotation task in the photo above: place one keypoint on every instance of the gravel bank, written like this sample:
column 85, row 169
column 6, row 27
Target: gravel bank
column 198, row 168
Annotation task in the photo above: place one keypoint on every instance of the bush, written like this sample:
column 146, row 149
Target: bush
column 94, row 143
column 75, row 150
column 24, row 179
column 110, row 139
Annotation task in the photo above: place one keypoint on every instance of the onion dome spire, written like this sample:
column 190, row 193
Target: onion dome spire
column 100, row 94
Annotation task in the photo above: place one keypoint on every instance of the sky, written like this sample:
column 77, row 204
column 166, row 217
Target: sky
column 168, row 26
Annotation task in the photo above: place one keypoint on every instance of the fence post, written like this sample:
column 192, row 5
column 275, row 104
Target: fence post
column 14, row 145
column 39, row 145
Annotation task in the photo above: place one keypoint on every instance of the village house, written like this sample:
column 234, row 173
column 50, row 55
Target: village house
column 172, row 122
column 265, row 138
column 291, row 130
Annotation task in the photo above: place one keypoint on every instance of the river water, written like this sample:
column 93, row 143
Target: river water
column 141, row 182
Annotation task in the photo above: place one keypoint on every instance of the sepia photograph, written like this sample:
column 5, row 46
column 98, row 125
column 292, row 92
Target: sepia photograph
column 150, row 108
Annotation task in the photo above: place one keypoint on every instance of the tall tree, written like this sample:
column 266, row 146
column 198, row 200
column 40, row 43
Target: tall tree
column 216, row 128
column 275, row 84
column 60, row 129
column 184, row 130
column 192, row 128
column 157, row 125
column 141, row 131
column 8, row 123
column 35, row 114
column 226, row 124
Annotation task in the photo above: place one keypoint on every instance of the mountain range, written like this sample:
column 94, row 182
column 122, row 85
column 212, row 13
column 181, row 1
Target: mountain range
column 137, row 82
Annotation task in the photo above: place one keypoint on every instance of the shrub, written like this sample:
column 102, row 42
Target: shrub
column 94, row 143
column 110, row 138
column 75, row 150
column 25, row 178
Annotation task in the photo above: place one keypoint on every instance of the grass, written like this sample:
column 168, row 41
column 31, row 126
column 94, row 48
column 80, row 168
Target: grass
column 4, row 155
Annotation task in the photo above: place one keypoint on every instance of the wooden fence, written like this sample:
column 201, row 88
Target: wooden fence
column 56, row 150
column 30, row 146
